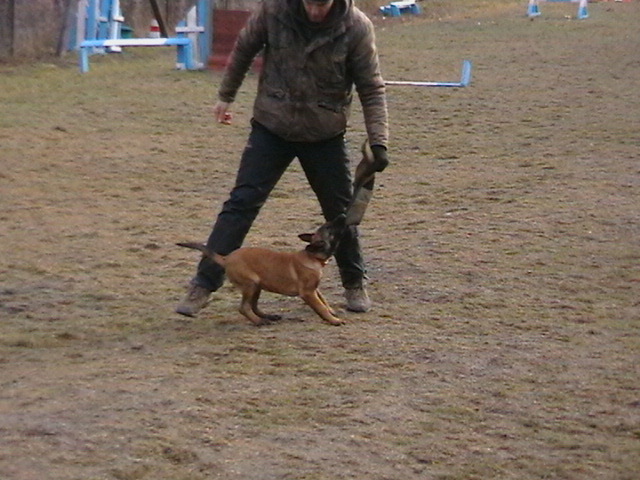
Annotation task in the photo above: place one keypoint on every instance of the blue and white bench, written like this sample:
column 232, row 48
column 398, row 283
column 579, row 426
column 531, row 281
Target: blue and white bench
column 183, row 44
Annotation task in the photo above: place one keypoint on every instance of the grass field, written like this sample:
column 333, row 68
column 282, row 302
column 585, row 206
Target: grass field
column 503, row 247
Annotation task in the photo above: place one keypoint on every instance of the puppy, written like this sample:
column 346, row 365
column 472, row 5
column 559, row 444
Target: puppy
column 254, row 269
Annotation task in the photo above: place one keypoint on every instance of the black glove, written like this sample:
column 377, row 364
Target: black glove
column 380, row 160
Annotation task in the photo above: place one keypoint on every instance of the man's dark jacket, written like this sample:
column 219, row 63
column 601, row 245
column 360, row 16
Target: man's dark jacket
column 306, row 84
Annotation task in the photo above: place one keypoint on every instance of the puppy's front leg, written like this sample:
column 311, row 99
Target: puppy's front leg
column 313, row 300
column 326, row 304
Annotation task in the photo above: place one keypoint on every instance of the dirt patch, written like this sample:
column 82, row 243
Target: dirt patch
column 502, row 247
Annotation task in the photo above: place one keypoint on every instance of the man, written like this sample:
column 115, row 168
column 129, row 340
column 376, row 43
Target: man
column 314, row 52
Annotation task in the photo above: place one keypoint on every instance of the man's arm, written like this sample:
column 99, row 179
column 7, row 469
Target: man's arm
column 364, row 67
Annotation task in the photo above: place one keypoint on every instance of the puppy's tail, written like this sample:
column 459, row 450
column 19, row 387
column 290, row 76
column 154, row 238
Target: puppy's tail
column 219, row 259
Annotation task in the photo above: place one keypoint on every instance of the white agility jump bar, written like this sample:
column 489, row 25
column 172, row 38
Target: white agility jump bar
column 465, row 79
column 184, row 45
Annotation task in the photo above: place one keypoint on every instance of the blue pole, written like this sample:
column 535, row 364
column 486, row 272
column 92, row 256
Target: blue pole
column 103, row 19
column 92, row 14
column 204, row 38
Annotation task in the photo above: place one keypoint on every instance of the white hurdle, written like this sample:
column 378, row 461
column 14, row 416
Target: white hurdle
column 185, row 48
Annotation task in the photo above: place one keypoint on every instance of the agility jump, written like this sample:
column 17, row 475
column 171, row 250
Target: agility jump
column 99, row 26
column 533, row 10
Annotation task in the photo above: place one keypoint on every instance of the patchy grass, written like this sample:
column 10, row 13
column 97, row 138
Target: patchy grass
column 502, row 245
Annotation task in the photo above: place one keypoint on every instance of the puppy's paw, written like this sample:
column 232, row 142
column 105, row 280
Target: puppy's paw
column 336, row 321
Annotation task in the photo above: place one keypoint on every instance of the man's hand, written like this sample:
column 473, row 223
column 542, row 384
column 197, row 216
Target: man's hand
column 221, row 112
column 380, row 160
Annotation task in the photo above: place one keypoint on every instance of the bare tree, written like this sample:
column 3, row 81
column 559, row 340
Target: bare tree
column 7, row 23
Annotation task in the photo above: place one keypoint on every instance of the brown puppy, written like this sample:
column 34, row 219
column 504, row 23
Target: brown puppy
column 294, row 274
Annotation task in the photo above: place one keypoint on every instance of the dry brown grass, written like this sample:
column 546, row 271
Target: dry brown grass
column 502, row 244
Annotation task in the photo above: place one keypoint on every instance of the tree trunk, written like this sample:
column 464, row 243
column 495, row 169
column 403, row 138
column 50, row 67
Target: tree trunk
column 7, row 22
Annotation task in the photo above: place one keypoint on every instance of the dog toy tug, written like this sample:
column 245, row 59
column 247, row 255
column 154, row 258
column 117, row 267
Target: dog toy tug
column 374, row 159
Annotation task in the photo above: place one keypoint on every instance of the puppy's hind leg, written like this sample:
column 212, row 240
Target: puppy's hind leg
column 260, row 313
column 250, row 294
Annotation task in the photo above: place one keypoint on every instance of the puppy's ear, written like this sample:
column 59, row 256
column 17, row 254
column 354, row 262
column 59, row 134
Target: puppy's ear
column 305, row 237
column 316, row 247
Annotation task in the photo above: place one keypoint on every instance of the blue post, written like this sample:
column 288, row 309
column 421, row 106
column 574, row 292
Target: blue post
column 84, row 59
column 181, row 54
column 582, row 11
column 92, row 15
column 103, row 19
column 532, row 9
column 204, row 38
column 188, row 54
column 465, row 77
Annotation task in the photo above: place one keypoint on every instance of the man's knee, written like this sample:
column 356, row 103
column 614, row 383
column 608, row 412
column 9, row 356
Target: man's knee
column 245, row 201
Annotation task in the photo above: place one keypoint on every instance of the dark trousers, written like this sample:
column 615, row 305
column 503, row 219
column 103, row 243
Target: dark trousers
column 264, row 160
